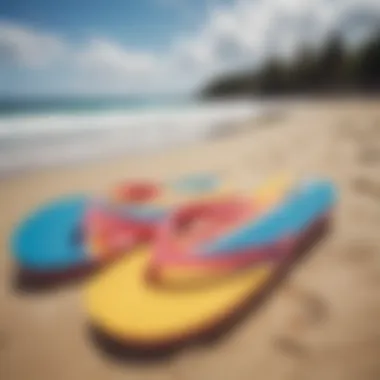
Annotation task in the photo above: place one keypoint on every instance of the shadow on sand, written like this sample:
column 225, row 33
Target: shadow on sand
column 26, row 282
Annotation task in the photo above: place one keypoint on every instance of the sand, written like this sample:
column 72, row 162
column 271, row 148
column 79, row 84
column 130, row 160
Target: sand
column 322, row 322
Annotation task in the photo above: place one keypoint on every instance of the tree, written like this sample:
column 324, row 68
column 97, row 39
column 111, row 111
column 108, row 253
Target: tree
column 333, row 68
column 302, row 73
column 368, row 64
column 329, row 68
column 271, row 78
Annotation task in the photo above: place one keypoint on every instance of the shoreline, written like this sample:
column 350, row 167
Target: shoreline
column 56, row 139
column 23, row 151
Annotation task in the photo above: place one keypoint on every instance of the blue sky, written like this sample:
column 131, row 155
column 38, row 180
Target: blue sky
column 141, row 23
column 154, row 46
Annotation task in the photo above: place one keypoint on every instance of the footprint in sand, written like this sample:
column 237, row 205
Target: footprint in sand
column 312, row 310
column 359, row 253
column 367, row 187
column 369, row 154
column 362, row 257
column 290, row 346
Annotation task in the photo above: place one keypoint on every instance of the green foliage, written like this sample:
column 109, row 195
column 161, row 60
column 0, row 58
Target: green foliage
column 331, row 69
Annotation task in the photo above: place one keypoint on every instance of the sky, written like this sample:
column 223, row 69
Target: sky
column 158, row 46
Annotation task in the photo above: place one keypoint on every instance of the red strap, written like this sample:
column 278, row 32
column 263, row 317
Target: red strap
column 137, row 191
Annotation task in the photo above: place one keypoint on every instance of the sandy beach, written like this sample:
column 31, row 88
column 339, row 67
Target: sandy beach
column 322, row 322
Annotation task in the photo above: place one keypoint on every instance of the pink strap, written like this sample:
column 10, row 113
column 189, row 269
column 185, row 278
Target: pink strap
column 227, row 212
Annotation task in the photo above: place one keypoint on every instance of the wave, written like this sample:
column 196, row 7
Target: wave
column 50, row 139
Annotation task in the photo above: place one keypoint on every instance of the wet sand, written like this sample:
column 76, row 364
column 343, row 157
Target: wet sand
column 322, row 322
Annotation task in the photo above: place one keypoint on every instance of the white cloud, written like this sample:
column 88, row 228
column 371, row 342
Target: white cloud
column 252, row 30
column 101, row 54
column 236, row 35
column 27, row 47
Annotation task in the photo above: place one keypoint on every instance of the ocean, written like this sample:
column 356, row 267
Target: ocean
column 38, row 132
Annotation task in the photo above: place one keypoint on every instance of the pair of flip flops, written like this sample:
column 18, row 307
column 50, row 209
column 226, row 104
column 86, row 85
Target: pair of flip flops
column 141, row 301
column 76, row 234
column 162, row 247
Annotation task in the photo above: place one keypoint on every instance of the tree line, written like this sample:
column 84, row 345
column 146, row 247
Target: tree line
column 332, row 69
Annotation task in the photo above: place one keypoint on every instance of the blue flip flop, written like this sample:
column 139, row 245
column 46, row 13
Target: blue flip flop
column 306, row 203
column 49, row 239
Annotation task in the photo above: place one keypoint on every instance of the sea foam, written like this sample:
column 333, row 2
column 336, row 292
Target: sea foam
column 30, row 141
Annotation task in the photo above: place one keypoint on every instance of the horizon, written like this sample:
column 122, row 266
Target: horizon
column 156, row 48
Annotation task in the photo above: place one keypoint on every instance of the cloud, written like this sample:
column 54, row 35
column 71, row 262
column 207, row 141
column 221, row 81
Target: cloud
column 247, row 32
column 101, row 54
column 235, row 35
column 27, row 47
column 97, row 65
